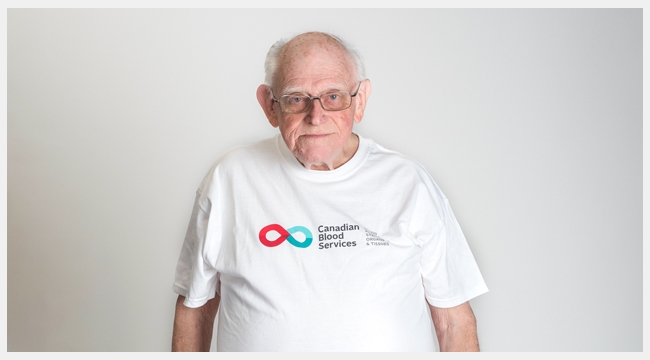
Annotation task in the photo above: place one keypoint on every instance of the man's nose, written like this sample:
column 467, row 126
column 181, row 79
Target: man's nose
column 316, row 112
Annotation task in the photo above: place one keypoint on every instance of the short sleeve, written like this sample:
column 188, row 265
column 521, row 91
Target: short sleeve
column 450, row 275
column 196, row 274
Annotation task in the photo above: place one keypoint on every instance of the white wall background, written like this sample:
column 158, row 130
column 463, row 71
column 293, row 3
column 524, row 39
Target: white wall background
column 529, row 120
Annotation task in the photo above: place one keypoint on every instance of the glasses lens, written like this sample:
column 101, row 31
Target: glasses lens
column 336, row 100
column 294, row 104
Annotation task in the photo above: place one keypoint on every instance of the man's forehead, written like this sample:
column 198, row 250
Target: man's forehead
column 307, row 50
column 312, row 61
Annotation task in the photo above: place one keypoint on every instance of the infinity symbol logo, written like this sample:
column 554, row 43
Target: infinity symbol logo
column 285, row 235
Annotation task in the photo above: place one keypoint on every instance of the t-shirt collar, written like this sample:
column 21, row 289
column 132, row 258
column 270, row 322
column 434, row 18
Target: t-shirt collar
column 295, row 167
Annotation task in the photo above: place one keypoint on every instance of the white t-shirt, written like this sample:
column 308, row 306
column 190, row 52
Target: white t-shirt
column 338, row 260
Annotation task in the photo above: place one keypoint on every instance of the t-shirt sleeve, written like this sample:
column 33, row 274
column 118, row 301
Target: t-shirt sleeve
column 196, row 275
column 449, row 271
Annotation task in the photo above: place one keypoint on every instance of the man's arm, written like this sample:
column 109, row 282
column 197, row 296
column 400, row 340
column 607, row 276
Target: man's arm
column 193, row 326
column 455, row 328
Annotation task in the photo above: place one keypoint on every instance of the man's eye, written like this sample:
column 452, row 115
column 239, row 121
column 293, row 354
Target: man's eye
column 296, row 99
column 333, row 96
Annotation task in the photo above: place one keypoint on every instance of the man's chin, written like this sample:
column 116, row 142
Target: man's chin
column 313, row 156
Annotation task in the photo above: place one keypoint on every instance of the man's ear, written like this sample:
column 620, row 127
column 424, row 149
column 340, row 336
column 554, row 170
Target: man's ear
column 266, row 102
column 362, row 99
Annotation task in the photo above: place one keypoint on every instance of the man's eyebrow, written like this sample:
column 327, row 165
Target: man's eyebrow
column 293, row 90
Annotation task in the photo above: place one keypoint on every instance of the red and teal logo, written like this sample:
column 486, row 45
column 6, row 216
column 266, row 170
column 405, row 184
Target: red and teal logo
column 285, row 234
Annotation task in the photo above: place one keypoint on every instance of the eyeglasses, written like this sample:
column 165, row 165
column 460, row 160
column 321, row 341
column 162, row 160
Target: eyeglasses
column 332, row 101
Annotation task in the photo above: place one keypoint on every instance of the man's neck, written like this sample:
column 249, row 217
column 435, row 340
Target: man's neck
column 349, row 149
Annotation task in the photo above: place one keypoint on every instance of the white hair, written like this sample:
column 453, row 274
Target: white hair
column 272, row 58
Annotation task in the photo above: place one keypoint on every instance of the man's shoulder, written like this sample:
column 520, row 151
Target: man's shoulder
column 403, row 169
column 241, row 160
column 393, row 159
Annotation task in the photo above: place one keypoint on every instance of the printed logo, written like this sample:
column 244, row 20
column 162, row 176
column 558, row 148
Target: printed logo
column 285, row 234
column 337, row 236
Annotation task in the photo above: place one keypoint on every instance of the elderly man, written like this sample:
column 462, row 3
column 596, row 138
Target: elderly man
column 319, row 239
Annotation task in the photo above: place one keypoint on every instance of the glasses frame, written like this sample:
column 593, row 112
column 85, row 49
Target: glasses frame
column 312, row 98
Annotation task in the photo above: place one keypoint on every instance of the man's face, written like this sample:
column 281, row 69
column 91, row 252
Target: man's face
column 317, row 137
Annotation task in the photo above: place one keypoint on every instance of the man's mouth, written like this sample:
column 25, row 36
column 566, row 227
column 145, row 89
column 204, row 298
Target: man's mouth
column 314, row 136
